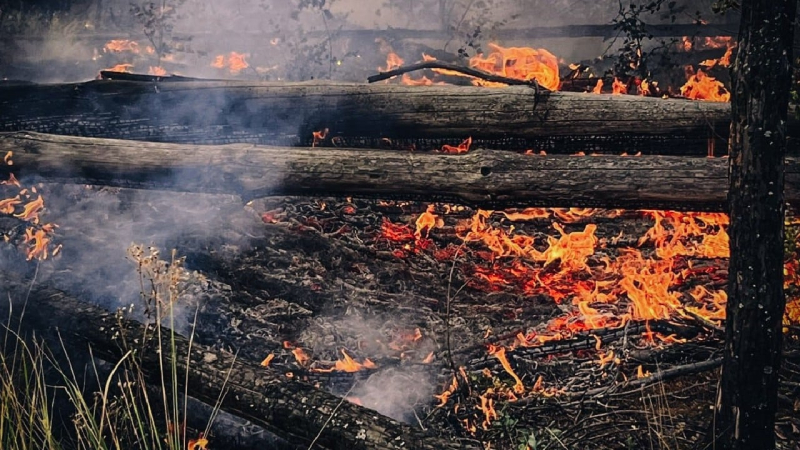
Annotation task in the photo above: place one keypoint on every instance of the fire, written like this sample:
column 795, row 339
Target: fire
column 619, row 87
column 724, row 60
column 38, row 241
column 121, row 45
column 301, row 356
column 268, row 360
column 393, row 61
column 7, row 206
column 487, row 406
column 598, row 88
column 235, row 62
column 157, row 71
column 700, row 86
column 348, row 364
column 121, row 68
column 197, row 444
column 31, row 210
column 500, row 354
column 7, row 159
column 426, row 222
column 461, row 148
column 318, row 136
column 523, row 63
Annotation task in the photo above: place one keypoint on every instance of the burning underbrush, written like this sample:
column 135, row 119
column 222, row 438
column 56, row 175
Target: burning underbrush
column 498, row 325
column 486, row 315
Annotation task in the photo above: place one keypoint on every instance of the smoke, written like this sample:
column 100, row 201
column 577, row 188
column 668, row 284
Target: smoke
column 395, row 392
column 97, row 225
column 280, row 40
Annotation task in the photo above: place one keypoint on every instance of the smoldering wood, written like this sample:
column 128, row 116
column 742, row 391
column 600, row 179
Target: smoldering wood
column 483, row 178
column 293, row 410
column 281, row 113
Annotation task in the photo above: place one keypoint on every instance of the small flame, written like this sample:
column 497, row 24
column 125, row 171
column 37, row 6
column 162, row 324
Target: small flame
column 426, row 222
column 618, row 87
column 598, row 88
column 318, row 136
column 500, row 354
column 235, row 62
column 157, row 71
column 268, row 360
column 461, row 148
column 121, row 68
column 121, row 45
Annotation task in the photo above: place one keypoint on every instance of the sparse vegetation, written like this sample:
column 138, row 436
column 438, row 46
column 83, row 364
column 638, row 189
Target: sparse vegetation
column 121, row 411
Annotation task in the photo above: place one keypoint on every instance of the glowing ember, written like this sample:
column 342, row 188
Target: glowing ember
column 461, row 148
column 700, row 86
column 268, row 360
column 197, row 444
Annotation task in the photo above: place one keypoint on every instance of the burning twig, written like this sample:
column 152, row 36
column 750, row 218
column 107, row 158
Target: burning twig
column 435, row 64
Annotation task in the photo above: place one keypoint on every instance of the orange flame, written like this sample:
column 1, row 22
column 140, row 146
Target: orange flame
column 121, row 68
column 157, row 71
column 500, row 354
column 598, row 88
column 235, row 62
column 31, row 210
column 461, row 148
column 268, row 360
column 618, row 87
column 523, row 63
column 121, row 45
column 700, row 86
column 426, row 222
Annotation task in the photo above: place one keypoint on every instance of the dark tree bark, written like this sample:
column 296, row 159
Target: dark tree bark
column 277, row 113
column 483, row 178
column 761, row 79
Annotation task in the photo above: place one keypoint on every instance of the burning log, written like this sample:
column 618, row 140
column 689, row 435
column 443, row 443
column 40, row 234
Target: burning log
column 293, row 410
column 485, row 178
column 288, row 113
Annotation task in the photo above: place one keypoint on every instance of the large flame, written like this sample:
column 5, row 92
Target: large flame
column 523, row 63
column 700, row 86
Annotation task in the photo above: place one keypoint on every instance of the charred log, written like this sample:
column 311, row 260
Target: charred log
column 484, row 178
column 293, row 410
column 288, row 113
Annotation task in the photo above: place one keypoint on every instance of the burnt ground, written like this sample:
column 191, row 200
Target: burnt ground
column 324, row 275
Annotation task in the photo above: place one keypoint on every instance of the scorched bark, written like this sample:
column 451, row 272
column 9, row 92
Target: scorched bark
column 282, row 112
column 484, row 178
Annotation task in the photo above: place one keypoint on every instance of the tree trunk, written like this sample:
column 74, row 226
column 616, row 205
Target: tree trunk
column 293, row 410
column 218, row 112
column 761, row 79
column 485, row 178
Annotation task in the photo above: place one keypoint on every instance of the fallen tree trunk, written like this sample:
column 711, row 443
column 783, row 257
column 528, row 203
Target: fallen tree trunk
column 484, row 178
column 293, row 410
column 216, row 112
